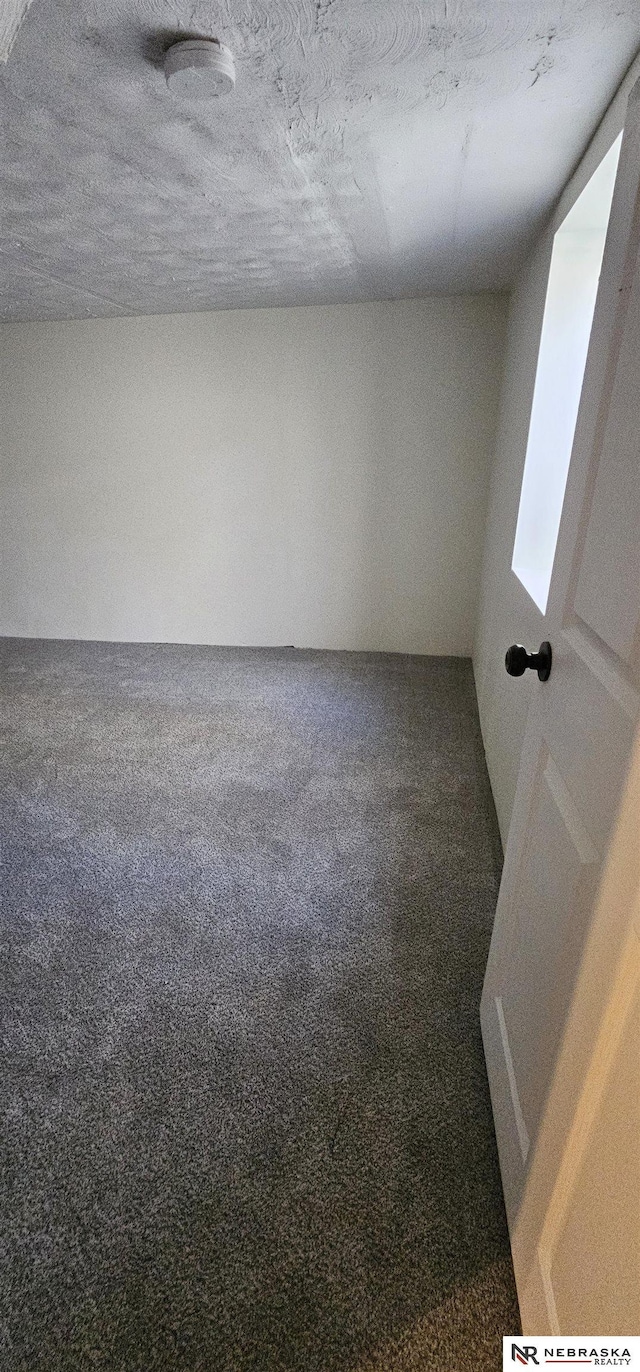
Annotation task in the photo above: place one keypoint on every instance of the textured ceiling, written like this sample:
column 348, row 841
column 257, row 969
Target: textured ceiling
column 372, row 148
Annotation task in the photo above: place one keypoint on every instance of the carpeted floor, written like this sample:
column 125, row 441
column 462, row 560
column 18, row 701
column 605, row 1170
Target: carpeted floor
column 248, row 897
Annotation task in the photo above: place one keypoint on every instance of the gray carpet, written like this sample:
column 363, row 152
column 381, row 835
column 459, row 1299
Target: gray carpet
column 248, row 897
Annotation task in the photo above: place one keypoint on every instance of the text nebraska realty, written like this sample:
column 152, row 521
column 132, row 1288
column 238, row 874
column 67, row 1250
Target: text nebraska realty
column 598, row 1357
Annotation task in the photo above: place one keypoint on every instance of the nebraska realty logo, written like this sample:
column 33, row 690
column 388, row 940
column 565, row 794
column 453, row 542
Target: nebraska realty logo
column 576, row 1351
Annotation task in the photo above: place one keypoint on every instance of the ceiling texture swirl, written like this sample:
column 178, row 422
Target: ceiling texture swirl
column 372, row 149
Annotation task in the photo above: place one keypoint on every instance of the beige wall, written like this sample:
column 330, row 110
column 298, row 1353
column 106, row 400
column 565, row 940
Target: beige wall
column 506, row 612
column 311, row 476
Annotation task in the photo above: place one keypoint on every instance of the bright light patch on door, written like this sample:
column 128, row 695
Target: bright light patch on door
column 12, row 13
column 578, row 247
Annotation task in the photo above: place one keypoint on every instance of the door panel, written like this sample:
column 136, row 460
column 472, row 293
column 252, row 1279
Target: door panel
column 555, row 875
column 589, row 735
column 610, row 560
column 593, row 1265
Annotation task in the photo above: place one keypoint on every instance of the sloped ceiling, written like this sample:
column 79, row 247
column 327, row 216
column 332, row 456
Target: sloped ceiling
column 372, row 148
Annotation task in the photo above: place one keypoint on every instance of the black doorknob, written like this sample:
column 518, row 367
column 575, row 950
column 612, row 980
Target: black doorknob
column 517, row 659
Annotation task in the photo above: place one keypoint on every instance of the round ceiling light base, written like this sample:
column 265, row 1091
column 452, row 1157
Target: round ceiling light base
column 199, row 68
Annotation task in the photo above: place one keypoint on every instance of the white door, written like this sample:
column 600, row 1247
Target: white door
column 561, row 1002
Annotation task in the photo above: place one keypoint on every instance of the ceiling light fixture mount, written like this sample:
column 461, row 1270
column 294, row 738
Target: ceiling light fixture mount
column 199, row 68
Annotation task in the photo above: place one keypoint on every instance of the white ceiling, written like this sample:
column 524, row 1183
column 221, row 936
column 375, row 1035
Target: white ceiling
column 371, row 149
